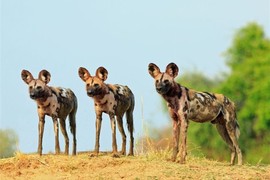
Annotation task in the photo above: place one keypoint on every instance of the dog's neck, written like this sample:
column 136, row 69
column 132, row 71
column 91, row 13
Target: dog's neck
column 98, row 98
column 43, row 100
column 173, row 95
column 174, row 91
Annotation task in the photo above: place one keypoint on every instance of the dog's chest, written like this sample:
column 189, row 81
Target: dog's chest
column 107, row 104
column 50, row 107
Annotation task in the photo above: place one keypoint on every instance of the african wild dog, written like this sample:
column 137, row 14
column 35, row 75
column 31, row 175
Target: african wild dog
column 55, row 102
column 186, row 104
column 115, row 100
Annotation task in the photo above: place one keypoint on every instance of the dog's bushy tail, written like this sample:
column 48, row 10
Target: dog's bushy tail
column 72, row 117
column 130, row 123
column 72, row 125
column 129, row 115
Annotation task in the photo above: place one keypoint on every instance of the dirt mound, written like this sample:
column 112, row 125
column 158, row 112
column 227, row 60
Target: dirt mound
column 153, row 166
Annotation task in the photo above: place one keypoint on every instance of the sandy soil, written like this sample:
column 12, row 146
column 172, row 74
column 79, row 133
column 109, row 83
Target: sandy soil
column 83, row 166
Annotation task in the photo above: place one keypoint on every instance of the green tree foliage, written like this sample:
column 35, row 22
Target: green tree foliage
column 8, row 141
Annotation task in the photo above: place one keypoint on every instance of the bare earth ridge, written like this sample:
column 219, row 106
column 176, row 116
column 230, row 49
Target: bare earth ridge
column 150, row 166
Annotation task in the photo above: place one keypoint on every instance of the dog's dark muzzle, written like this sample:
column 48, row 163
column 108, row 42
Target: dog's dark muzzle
column 93, row 92
column 37, row 95
column 32, row 95
column 162, row 89
column 90, row 93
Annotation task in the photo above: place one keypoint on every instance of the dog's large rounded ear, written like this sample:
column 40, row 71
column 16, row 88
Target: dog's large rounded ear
column 102, row 73
column 153, row 70
column 84, row 73
column 26, row 76
column 172, row 70
column 44, row 76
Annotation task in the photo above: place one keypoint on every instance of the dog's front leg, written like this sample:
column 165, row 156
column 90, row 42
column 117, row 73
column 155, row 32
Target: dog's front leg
column 114, row 143
column 176, row 132
column 98, row 127
column 40, row 132
column 56, row 135
column 183, row 134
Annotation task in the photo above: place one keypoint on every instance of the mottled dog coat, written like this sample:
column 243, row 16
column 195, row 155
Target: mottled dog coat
column 114, row 100
column 55, row 102
column 186, row 104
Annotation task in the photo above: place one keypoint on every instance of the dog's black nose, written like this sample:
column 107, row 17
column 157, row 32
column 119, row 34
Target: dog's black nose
column 90, row 92
column 32, row 95
column 159, row 89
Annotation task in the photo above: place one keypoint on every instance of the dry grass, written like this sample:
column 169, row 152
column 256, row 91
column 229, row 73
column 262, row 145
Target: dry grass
column 148, row 166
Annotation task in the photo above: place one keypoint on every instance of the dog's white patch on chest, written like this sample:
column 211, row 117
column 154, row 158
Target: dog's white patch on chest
column 64, row 93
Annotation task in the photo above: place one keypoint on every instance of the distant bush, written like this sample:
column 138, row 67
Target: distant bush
column 8, row 142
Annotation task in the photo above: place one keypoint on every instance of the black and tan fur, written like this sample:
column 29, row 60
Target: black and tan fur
column 186, row 104
column 55, row 102
column 114, row 100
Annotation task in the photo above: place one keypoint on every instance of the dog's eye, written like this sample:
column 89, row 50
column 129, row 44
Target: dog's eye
column 39, row 87
column 96, row 85
column 87, row 84
column 156, row 81
column 30, row 87
column 166, row 81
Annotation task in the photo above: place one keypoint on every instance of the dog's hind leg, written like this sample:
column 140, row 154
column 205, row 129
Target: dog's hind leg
column 233, row 128
column 222, row 130
column 229, row 131
column 233, row 131
column 122, row 131
column 64, row 132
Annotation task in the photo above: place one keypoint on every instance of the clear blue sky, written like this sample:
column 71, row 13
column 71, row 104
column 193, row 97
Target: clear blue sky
column 123, row 36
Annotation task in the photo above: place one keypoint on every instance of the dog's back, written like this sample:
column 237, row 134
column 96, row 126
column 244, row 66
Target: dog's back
column 66, row 99
column 124, row 97
column 203, row 106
